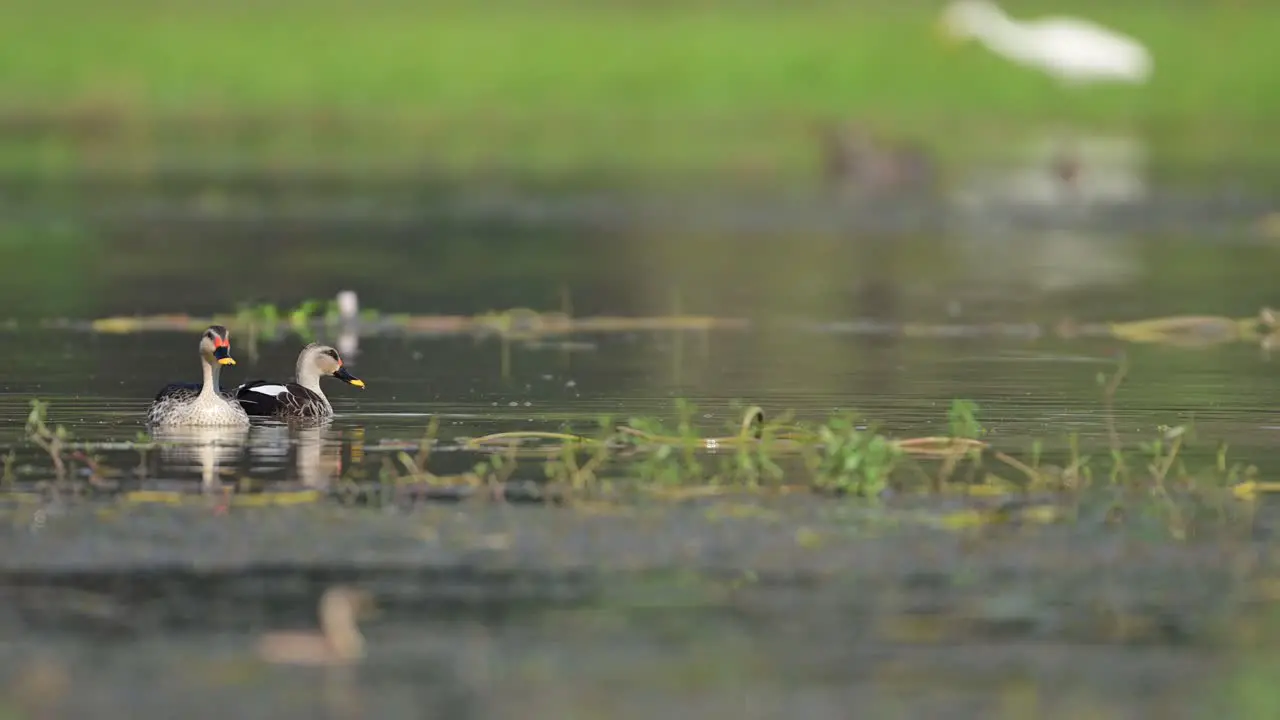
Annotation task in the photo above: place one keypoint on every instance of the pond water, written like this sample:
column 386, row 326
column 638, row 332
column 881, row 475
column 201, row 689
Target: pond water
column 139, row 591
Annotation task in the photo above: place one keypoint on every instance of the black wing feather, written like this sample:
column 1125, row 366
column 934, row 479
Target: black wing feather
column 295, row 401
column 186, row 391
column 178, row 391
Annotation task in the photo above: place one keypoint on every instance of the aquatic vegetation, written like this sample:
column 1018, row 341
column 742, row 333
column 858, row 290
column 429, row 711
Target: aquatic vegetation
column 52, row 440
column 1154, row 483
column 1168, row 482
column 269, row 320
column 963, row 420
column 69, row 460
column 1169, row 489
column 1181, row 330
column 850, row 459
column 527, row 325
column 1174, row 501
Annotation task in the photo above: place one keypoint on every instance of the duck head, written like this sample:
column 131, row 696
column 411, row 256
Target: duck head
column 215, row 346
column 329, row 362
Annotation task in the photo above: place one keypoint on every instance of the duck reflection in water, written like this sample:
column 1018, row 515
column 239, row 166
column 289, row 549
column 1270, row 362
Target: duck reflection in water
column 317, row 449
column 348, row 305
column 339, row 641
column 211, row 449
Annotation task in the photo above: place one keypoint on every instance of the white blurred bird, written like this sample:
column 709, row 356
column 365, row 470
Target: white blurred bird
column 1075, row 51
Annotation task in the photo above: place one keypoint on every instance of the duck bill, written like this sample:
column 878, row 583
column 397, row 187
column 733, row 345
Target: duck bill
column 346, row 377
column 222, row 354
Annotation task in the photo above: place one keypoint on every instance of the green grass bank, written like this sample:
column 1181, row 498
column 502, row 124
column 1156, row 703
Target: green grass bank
column 570, row 84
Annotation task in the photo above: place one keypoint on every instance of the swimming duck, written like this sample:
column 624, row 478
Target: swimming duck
column 853, row 159
column 300, row 399
column 189, row 404
column 339, row 641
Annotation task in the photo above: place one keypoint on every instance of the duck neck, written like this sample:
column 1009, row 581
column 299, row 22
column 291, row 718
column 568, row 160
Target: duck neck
column 337, row 619
column 211, row 370
column 307, row 374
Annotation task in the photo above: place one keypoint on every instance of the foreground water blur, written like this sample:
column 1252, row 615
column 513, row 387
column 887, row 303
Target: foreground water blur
column 141, row 592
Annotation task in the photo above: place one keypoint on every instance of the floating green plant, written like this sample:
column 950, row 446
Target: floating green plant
column 1179, row 490
column 268, row 319
column 850, row 459
column 528, row 325
column 52, row 440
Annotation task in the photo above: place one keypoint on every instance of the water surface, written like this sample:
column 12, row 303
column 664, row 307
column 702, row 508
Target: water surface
column 748, row 607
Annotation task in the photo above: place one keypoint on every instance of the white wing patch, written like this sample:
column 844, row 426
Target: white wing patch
column 272, row 390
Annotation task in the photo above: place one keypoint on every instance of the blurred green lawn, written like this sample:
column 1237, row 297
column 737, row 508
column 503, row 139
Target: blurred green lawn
column 573, row 82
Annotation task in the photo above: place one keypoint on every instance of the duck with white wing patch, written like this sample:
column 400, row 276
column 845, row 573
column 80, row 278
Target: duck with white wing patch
column 302, row 398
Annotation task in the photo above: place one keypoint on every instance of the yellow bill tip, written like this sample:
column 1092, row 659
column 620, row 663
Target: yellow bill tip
column 357, row 382
column 226, row 361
